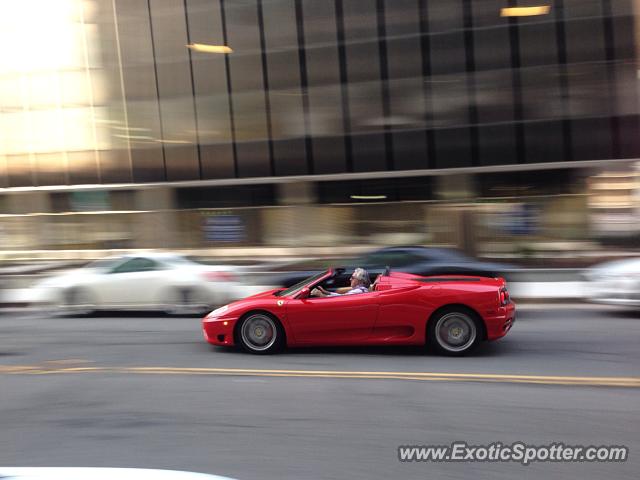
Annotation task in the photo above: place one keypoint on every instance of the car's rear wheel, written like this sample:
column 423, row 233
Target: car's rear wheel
column 454, row 331
column 260, row 333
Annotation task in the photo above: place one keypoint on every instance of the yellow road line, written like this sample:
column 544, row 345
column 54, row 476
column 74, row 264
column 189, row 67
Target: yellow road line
column 48, row 369
column 331, row 372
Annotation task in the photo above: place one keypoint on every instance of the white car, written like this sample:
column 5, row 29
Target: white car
column 615, row 283
column 155, row 281
column 79, row 473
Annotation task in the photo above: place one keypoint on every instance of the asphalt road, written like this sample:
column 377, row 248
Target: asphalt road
column 148, row 392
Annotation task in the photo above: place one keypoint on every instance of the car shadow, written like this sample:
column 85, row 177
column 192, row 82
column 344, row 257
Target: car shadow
column 624, row 313
column 11, row 354
column 128, row 314
column 486, row 349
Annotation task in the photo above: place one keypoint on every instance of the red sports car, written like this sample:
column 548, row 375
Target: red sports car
column 450, row 313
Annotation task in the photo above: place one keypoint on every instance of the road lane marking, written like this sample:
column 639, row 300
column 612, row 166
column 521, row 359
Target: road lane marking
column 49, row 369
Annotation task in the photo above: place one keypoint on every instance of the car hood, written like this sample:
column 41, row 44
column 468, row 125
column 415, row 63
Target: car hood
column 62, row 279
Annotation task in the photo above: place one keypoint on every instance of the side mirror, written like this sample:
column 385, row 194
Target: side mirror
column 304, row 293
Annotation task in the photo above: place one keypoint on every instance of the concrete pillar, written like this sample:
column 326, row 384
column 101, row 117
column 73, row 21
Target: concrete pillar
column 460, row 188
column 455, row 187
column 293, row 225
column 27, row 202
column 25, row 232
column 157, row 198
column 156, row 226
column 297, row 193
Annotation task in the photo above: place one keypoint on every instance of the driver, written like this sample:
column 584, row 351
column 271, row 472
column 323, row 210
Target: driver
column 359, row 284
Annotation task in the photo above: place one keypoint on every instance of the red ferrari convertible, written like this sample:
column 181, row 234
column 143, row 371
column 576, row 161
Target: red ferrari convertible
column 450, row 313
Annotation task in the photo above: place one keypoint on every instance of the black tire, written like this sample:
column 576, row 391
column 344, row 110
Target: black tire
column 78, row 301
column 186, row 301
column 454, row 331
column 260, row 333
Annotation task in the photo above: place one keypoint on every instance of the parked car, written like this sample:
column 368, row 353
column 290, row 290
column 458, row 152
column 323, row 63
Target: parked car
column 614, row 283
column 452, row 314
column 154, row 281
column 416, row 260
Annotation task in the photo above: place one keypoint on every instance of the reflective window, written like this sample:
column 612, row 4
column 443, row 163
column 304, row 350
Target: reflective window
column 538, row 42
column 406, row 84
column 179, row 138
column 141, row 128
column 326, row 114
column 211, row 90
column 137, row 265
column 544, row 141
column 246, row 72
column 285, row 91
column 364, row 88
column 107, row 91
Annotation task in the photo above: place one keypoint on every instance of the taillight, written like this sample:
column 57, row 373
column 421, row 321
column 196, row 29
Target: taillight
column 504, row 296
column 219, row 277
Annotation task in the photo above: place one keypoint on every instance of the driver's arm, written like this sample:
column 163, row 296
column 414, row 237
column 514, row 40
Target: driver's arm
column 320, row 292
column 324, row 293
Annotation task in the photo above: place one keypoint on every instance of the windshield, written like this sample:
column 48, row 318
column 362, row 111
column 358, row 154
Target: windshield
column 298, row 286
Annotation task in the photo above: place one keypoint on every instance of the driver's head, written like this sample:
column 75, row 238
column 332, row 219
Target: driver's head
column 360, row 277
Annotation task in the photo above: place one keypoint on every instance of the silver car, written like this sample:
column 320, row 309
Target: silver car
column 614, row 283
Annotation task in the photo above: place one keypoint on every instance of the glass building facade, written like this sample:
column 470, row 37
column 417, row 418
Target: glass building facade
column 107, row 92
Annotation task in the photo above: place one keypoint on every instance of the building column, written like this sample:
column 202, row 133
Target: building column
column 28, row 231
column 27, row 202
column 290, row 225
column 460, row 188
column 455, row 187
column 156, row 226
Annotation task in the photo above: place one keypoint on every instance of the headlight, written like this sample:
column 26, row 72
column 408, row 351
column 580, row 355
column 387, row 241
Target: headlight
column 219, row 311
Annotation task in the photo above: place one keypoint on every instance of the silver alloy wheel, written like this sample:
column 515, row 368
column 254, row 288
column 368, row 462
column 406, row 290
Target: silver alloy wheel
column 455, row 332
column 259, row 332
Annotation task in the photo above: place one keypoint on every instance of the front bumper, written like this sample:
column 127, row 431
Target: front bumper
column 219, row 331
column 614, row 290
column 501, row 322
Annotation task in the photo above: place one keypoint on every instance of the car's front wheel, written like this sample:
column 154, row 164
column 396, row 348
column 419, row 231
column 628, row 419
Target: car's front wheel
column 78, row 301
column 187, row 301
column 260, row 333
column 454, row 332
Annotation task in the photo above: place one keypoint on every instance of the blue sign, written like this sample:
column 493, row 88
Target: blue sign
column 224, row 228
